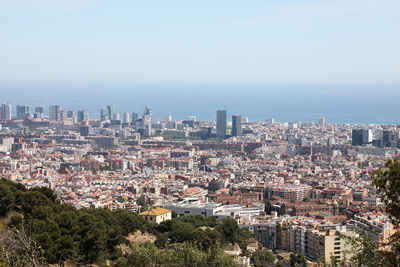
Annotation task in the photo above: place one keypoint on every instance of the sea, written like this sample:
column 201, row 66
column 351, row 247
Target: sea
column 338, row 103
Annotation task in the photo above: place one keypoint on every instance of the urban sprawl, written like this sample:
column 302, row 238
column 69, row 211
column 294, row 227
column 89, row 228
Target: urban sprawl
column 297, row 186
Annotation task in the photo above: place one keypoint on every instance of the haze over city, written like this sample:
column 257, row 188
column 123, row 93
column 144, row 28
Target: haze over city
column 200, row 133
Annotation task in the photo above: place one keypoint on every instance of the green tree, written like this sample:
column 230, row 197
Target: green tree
column 297, row 259
column 7, row 199
column 139, row 201
column 230, row 230
column 387, row 182
column 364, row 249
column 262, row 258
column 334, row 261
column 282, row 263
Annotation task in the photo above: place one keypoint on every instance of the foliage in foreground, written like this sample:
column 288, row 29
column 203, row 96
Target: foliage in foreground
column 95, row 235
column 179, row 255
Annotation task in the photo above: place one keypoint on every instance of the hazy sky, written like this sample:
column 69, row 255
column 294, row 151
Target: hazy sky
column 235, row 41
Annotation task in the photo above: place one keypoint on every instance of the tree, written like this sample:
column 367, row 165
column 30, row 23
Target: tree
column 230, row 229
column 139, row 201
column 387, row 182
column 262, row 258
column 297, row 259
column 18, row 249
column 306, row 199
column 180, row 255
column 364, row 249
column 7, row 200
column 334, row 261
column 282, row 263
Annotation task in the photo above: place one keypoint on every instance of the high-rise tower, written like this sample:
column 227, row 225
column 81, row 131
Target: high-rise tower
column 221, row 124
column 236, row 125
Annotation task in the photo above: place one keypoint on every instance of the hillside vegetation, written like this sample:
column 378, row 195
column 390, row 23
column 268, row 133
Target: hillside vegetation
column 86, row 236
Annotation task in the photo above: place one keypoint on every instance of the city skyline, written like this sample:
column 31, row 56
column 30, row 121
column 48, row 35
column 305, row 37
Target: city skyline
column 338, row 103
column 200, row 133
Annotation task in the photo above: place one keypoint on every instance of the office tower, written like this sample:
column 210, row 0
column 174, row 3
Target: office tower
column 168, row 118
column 22, row 111
column 236, row 125
column 126, row 117
column 147, row 130
column 361, row 137
column 321, row 122
column 70, row 114
column 54, row 112
column 270, row 120
column 83, row 115
column 39, row 112
column 245, row 120
column 104, row 114
column 63, row 115
column 192, row 118
column 110, row 111
column 147, row 116
column 116, row 116
column 84, row 130
column 5, row 112
column 221, row 124
column 135, row 116
column 148, row 111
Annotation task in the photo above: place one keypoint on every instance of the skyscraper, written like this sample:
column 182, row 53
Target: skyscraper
column 111, row 111
column 135, row 116
column 71, row 114
column 62, row 115
column 270, row 120
column 361, row 137
column 54, row 112
column 321, row 122
column 5, row 112
column 221, row 124
column 126, row 117
column 83, row 115
column 236, row 125
column 148, row 111
column 147, row 116
column 39, row 112
column 104, row 114
column 22, row 111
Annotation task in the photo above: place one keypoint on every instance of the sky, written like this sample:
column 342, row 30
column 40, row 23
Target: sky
column 207, row 41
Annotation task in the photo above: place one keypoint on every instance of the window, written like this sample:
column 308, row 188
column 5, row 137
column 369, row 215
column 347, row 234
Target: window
column 337, row 243
column 337, row 238
column 186, row 211
column 337, row 253
column 337, row 248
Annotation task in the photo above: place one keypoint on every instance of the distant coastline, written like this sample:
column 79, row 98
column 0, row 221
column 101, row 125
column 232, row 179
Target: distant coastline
column 354, row 104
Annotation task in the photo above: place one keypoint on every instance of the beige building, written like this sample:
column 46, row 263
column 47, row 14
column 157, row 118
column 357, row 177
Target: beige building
column 156, row 215
column 329, row 242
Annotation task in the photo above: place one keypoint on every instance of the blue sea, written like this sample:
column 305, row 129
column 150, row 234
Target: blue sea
column 350, row 103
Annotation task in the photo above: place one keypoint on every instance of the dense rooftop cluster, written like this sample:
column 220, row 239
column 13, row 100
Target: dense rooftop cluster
column 289, row 183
